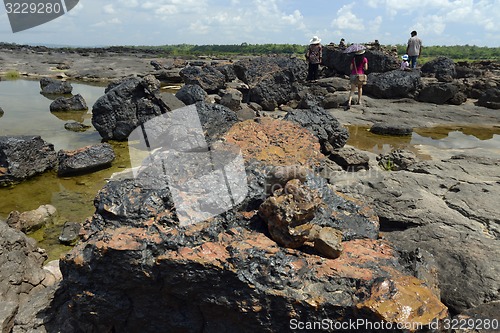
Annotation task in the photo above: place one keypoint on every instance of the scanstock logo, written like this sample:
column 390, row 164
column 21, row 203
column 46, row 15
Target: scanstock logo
column 26, row 14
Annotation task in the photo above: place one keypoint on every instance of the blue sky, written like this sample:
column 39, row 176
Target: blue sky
column 160, row 22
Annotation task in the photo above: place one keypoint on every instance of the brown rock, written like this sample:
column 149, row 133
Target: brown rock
column 329, row 242
column 404, row 300
column 276, row 142
column 288, row 212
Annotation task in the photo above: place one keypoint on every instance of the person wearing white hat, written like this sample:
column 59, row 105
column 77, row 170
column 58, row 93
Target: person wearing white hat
column 405, row 65
column 314, row 57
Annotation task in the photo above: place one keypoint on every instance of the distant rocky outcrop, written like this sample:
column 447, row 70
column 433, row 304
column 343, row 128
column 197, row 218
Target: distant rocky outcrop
column 22, row 157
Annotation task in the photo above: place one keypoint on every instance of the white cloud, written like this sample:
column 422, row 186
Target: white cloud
column 113, row 21
column 346, row 20
column 108, row 9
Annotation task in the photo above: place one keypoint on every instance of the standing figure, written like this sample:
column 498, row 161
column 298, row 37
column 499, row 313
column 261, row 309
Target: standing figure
column 314, row 56
column 414, row 49
column 359, row 65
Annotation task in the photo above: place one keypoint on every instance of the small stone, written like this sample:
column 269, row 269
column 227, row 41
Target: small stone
column 329, row 242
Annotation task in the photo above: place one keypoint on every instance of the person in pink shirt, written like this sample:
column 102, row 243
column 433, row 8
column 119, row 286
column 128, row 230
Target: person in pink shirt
column 359, row 65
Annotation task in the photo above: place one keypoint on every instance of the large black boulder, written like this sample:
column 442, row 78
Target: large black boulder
column 191, row 93
column 22, row 157
column 207, row 77
column 85, row 159
column 393, row 84
column 443, row 68
column 378, row 61
column 74, row 103
column 53, row 86
column 439, row 93
column 126, row 105
column 330, row 132
column 272, row 80
column 490, row 99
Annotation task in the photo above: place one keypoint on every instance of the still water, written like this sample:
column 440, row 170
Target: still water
column 26, row 112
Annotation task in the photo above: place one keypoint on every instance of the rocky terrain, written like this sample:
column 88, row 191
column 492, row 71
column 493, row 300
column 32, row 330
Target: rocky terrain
column 323, row 231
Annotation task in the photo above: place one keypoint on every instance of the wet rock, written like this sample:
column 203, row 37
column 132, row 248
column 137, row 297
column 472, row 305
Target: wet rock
column 490, row 99
column 207, row 77
column 391, row 129
column 330, row 132
column 76, row 127
column 125, row 105
column 22, row 157
column 350, row 159
column 439, row 93
column 70, row 233
column 397, row 160
column 32, row 220
column 272, row 80
column 393, row 84
column 75, row 103
column 387, row 295
column 1, row 112
column 191, row 93
column 86, row 159
column 53, row 86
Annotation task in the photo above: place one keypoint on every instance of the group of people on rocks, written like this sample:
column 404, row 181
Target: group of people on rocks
column 359, row 63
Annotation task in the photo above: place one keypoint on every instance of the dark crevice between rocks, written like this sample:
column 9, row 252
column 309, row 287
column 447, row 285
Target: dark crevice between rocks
column 387, row 225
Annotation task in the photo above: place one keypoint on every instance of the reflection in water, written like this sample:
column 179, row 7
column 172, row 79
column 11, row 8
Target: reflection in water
column 66, row 116
column 443, row 137
column 27, row 113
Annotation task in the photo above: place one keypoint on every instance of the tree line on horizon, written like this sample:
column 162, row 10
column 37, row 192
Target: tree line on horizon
column 456, row 52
